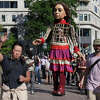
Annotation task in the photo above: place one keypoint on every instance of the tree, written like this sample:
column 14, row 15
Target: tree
column 1, row 27
column 40, row 16
column 7, row 46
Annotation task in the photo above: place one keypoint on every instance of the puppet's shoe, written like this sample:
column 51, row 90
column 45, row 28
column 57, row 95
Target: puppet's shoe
column 60, row 92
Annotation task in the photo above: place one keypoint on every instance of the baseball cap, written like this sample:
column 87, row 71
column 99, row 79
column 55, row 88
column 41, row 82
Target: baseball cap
column 96, row 42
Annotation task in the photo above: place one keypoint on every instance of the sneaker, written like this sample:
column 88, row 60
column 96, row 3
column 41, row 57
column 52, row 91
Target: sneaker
column 73, row 84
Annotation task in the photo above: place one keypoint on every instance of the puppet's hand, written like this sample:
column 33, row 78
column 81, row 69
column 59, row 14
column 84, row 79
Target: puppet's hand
column 36, row 42
column 81, row 56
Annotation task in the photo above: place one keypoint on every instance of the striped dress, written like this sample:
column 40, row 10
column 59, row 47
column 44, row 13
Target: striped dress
column 62, row 41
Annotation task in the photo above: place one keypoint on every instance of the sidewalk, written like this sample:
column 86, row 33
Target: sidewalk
column 43, row 92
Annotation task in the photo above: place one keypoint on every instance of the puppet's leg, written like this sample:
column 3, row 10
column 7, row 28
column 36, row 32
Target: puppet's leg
column 61, row 90
column 55, row 82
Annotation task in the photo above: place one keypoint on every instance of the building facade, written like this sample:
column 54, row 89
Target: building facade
column 88, row 21
column 9, row 11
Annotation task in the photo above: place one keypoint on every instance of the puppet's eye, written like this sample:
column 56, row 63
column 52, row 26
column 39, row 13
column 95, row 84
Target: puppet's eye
column 59, row 10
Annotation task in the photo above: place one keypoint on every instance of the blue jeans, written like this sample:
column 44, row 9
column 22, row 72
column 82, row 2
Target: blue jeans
column 32, row 81
column 37, row 73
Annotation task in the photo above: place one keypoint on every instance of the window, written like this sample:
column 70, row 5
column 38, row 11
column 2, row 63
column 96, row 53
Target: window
column 84, row 32
column 1, row 4
column 13, row 4
column 95, row 34
column 80, row 17
column 85, row 17
column 82, row 3
column 8, row 4
column 14, row 30
column 89, row 17
column 3, row 18
column 25, row 4
column 14, row 18
column 95, row 9
column 4, row 29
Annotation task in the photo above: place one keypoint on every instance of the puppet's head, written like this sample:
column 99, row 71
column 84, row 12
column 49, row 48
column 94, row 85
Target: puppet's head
column 61, row 11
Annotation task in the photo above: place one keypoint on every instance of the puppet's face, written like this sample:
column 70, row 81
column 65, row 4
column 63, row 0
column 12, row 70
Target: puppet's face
column 59, row 12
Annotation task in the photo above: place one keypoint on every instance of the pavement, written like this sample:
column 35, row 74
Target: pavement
column 43, row 92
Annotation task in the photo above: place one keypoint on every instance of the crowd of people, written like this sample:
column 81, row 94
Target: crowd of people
column 19, row 71
column 39, row 70
column 36, row 70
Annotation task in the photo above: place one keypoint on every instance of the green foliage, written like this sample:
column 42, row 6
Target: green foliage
column 1, row 27
column 7, row 46
column 40, row 16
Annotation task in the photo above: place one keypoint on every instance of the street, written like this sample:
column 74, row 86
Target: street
column 43, row 92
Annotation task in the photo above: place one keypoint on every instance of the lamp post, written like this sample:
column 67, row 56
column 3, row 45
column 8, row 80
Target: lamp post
column 79, row 31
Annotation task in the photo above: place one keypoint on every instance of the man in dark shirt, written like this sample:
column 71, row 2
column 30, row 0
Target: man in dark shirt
column 15, row 73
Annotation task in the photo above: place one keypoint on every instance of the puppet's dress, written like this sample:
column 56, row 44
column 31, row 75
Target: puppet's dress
column 62, row 39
